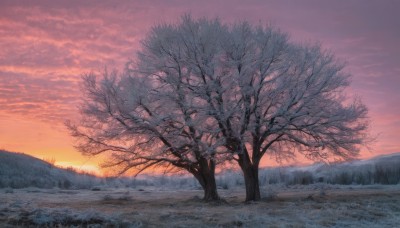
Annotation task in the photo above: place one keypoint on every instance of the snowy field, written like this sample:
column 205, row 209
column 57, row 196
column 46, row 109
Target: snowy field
column 294, row 206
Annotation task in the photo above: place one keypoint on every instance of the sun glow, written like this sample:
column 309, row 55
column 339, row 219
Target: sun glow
column 85, row 168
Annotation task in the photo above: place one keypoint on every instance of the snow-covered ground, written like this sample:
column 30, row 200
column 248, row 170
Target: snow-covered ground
column 317, row 205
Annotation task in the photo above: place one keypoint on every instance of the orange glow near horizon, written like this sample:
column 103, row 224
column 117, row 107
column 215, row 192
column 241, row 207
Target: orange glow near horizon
column 44, row 141
column 91, row 169
column 46, row 46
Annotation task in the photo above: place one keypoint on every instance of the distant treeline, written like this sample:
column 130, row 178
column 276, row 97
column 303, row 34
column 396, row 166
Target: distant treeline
column 21, row 171
column 385, row 170
column 381, row 172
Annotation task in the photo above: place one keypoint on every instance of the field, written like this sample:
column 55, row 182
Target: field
column 292, row 206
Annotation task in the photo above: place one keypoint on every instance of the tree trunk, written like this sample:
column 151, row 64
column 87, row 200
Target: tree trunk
column 250, row 174
column 210, row 189
column 206, row 177
column 252, row 185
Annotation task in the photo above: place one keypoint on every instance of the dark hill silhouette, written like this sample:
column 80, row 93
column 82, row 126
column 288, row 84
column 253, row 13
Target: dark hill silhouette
column 18, row 170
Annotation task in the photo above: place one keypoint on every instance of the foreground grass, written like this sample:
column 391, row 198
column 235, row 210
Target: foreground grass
column 297, row 206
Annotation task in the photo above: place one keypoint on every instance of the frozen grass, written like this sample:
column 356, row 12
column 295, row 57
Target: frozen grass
column 27, row 215
column 293, row 206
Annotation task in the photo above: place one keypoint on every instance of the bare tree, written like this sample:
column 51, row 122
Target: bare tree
column 264, row 94
column 289, row 99
column 144, row 122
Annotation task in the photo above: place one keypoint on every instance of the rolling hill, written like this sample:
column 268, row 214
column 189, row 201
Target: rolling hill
column 19, row 170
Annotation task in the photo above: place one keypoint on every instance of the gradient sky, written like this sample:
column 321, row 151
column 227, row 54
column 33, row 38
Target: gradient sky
column 45, row 47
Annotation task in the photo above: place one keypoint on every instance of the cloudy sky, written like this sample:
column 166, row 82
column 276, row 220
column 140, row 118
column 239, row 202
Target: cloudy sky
column 45, row 47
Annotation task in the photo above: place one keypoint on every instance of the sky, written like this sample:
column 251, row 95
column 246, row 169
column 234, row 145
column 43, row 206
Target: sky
column 46, row 46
